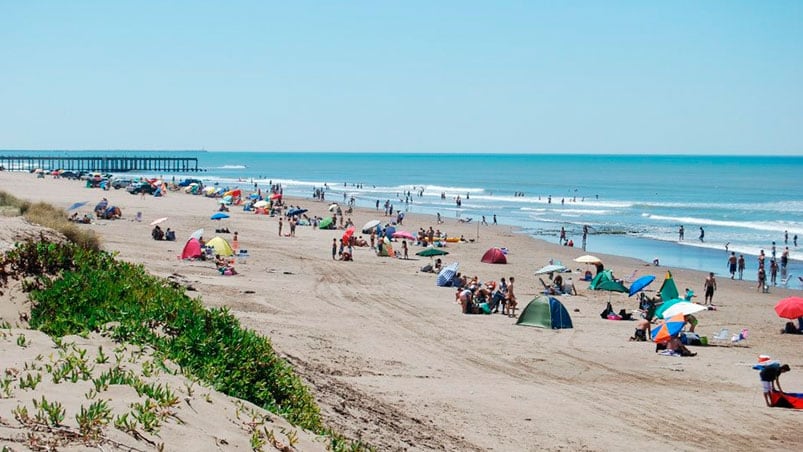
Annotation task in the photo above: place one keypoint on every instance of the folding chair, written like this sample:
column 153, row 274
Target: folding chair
column 785, row 281
column 740, row 338
column 723, row 336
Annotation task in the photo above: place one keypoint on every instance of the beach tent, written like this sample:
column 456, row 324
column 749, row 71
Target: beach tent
column 494, row 256
column 385, row 249
column 604, row 281
column 192, row 249
column 221, row 246
column 668, row 290
column 786, row 400
column 545, row 312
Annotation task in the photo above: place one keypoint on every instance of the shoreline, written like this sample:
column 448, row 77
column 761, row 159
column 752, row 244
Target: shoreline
column 393, row 361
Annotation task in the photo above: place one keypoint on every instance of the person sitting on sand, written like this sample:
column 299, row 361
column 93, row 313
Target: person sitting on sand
column 675, row 347
column 157, row 233
column 643, row 331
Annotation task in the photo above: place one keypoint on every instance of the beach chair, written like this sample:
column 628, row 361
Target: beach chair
column 632, row 277
column 785, row 281
column 722, row 337
column 740, row 338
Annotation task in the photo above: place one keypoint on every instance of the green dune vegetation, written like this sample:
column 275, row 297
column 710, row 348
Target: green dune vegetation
column 77, row 289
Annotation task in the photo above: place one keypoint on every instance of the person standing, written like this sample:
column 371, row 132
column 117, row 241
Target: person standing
column 773, row 272
column 785, row 237
column 732, row 264
column 494, row 219
column 702, row 234
column 281, row 224
column 235, row 243
column 762, row 278
column 585, row 236
column 710, row 285
column 404, row 248
column 680, row 233
column 784, row 258
column 511, row 298
column 562, row 235
column 741, row 265
column 334, row 249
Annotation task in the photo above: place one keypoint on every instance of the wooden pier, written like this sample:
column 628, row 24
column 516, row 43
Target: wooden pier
column 100, row 164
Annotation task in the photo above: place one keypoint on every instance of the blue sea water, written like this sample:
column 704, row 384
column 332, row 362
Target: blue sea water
column 633, row 205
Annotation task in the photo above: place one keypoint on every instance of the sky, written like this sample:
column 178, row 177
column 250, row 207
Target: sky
column 633, row 77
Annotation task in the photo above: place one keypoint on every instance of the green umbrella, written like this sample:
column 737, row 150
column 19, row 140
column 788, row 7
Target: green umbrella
column 431, row 251
column 325, row 223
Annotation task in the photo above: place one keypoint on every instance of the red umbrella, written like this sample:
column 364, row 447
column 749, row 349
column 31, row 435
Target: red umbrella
column 790, row 308
column 347, row 235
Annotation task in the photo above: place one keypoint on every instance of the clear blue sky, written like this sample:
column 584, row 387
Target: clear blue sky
column 700, row 77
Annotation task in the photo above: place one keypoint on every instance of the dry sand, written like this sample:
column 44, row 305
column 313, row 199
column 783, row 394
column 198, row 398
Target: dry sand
column 391, row 359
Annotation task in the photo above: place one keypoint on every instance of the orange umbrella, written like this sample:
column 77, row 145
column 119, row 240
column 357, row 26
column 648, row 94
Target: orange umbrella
column 669, row 328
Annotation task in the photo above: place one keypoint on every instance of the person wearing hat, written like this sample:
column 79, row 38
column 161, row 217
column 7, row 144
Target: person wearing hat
column 770, row 376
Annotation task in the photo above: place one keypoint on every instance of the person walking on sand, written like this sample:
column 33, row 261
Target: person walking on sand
column 732, row 264
column 710, row 285
column 741, row 265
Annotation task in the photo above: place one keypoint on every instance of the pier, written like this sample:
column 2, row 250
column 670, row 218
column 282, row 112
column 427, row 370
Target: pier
column 100, row 164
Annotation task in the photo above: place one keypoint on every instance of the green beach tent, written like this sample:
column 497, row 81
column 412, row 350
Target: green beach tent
column 326, row 223
column 545, row 312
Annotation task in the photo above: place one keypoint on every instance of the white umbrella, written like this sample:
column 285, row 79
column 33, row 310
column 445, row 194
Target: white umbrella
column 367, row 227
column 683, row 307
column 552, row 268
column 262, row 203
column 197, row 234
column 588, row 259
column 158, row 220
column 333, row 207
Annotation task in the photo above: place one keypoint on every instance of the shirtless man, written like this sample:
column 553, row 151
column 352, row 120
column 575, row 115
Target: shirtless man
column 511, row 298
column 710, row 286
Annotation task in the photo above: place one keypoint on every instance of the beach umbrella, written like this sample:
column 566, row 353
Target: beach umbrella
column 197, row 234
column 588, row 259
column 219, row 216
column 77, row 205
column 366, row 228
column 296, row 211
column 551, row 268
column 683, row 307
column 790, row 308
column 158, row 220
column 347, row 235
column 333, row 207
column 262, row 203
column 389, row 231
column 666, row 305
column 325, row 223
column 446, row 274
column 668, row 328
column 403, row 235
column 276, row 196
column 431, row 251
column 640, row 284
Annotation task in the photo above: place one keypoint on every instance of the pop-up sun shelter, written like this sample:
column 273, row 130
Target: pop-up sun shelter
column 192, row 249
column 221, row 246
column 494, row 256
column 545, row 312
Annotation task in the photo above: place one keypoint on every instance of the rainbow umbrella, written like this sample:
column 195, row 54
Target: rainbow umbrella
column 668, row 328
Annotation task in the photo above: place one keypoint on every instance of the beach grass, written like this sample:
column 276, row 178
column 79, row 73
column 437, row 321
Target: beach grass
column 75, row 290
column 49, row 216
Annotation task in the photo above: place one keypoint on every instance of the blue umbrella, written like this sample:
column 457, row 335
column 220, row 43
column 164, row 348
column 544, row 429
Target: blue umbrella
column 446, row 274
column 296, row 211
column 77, row 205
column 640, row 284
column 389, row 231
column 668, row 328
column 219, row 216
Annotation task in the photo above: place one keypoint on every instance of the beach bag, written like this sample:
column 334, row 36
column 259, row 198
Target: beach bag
column 485, row 308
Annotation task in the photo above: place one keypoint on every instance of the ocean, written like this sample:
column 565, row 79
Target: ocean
column 633, row 205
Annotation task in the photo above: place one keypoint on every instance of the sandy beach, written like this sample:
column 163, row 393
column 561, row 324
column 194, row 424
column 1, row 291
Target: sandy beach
column 393, row 361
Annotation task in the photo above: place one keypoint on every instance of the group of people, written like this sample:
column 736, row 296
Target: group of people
column 158, row 234
column 476, row 297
